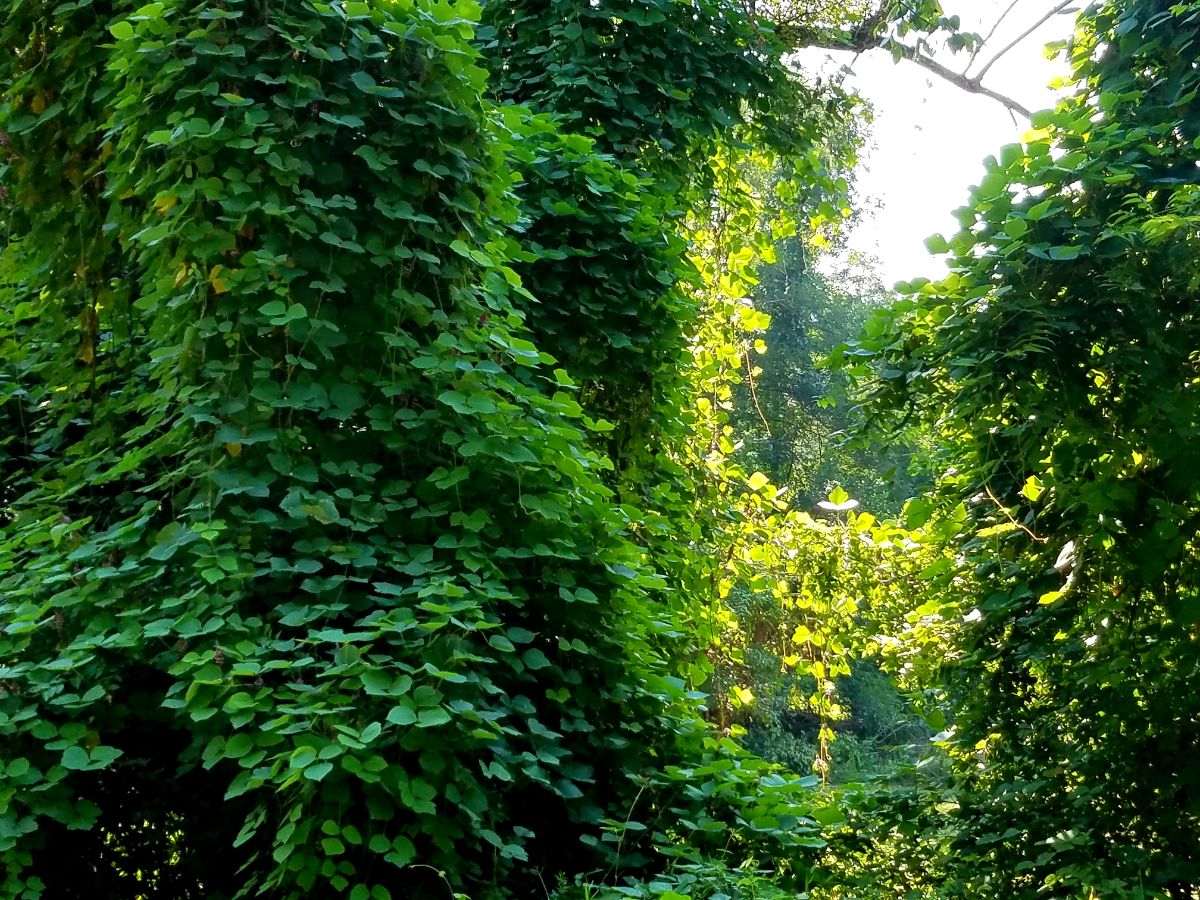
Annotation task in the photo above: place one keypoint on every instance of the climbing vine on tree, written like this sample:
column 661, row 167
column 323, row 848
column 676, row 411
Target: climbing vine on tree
column 1058, row 362
column 340, row 525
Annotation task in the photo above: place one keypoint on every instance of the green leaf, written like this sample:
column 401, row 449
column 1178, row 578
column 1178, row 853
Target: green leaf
column 318, row 771
column 404, row 714
column 534, row 659
column 238, row 746
column 376, row 682
column 936, row 244
column 239, row 701
column 1015, row 228
column 430, row 718
column 75, row 758
column 502, row 643
column 403, row 852
column 1033, row 488
column 1065, row 253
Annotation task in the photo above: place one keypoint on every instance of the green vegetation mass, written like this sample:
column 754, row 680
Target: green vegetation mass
column 439, row 459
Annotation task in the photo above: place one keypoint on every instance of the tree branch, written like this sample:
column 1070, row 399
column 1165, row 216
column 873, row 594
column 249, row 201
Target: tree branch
column 972, row 85
column 869, row 34
column 991, row 34
column 1026, row 33
column 968, row 83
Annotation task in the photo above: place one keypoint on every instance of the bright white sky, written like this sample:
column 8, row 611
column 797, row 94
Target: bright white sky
column 929, row 138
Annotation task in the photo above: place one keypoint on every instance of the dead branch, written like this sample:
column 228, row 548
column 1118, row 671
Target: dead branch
column 972, row 85
column 871, row 34
column 1026, row 33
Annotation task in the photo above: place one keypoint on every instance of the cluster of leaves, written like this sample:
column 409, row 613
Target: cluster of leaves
column 900, row 28
column 804, row 597
column 1058, row 364
column 820, row 579
column 353, row 488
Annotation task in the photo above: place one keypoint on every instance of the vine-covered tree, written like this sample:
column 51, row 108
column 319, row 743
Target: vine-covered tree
column 1058, row 360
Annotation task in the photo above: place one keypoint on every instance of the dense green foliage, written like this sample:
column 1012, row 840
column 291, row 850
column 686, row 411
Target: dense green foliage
column 791, row 419
column 1058, row 364
column 397, row 498
column 343, row 470
column 794, row 417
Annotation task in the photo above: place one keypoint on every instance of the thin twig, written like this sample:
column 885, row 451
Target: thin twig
column 1026, row 33
column 991, row 34
column 754, row 393
column 1000, row 506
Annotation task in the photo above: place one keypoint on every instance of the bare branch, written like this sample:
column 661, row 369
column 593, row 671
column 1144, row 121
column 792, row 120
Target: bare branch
column 970, row 84
column 1026, row 33
column 991, row 34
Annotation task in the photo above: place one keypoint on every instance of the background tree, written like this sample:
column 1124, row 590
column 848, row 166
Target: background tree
column 793, row 414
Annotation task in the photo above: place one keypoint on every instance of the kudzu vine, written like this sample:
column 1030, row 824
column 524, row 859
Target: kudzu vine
column 1057, row 365
column 342, row 537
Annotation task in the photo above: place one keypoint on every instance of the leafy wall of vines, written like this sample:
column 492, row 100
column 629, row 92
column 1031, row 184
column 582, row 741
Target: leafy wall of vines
column 342, row 535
